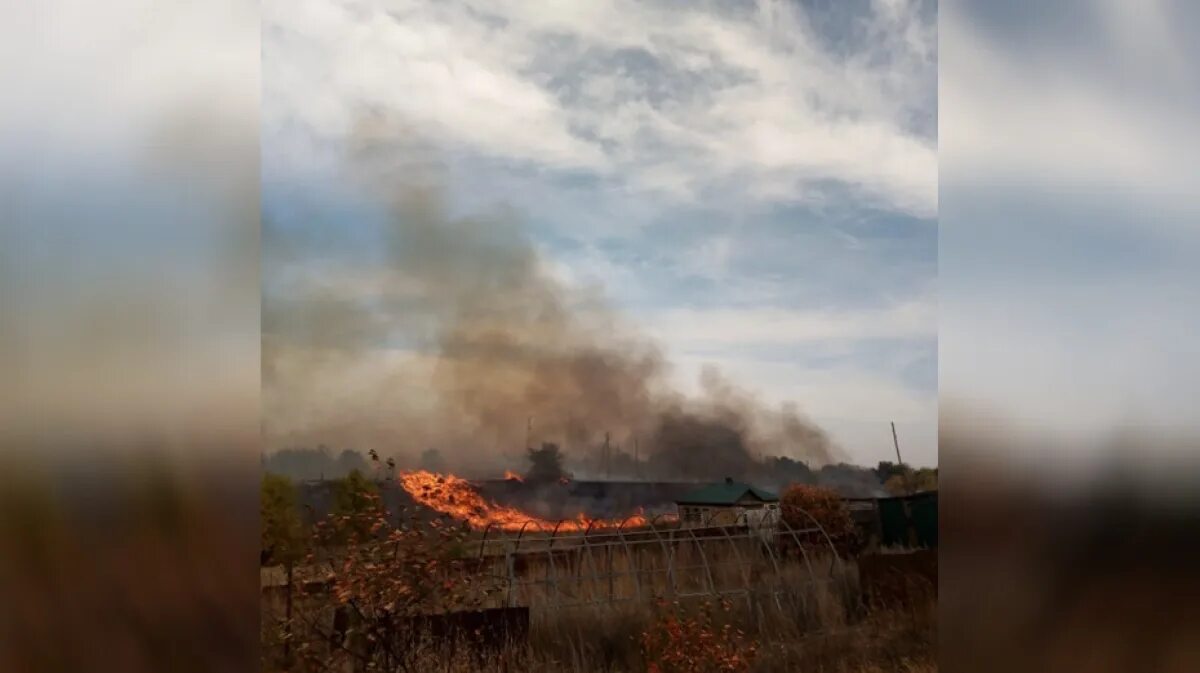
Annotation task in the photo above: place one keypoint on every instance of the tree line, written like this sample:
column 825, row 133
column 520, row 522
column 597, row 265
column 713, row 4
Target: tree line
column 548, row 463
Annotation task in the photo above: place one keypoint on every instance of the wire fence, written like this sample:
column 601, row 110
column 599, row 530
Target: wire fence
column 546, row 570
column 729, row 555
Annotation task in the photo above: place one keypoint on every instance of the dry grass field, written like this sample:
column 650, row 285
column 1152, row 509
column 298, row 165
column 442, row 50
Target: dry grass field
column 785, row 621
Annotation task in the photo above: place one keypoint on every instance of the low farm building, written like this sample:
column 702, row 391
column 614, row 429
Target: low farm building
column 726, row 502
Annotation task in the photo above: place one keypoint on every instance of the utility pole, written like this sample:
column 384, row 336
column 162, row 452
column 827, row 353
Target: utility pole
column 607, row 456
column 896, row 442
column 637, row 461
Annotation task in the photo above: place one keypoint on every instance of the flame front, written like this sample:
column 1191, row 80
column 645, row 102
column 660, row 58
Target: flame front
column 509, row 475
column 459, row 498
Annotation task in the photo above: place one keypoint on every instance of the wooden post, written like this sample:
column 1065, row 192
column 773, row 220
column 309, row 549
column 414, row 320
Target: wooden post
column 511, row 569
column 287, row 644
column 896, row 442
column 611, row 571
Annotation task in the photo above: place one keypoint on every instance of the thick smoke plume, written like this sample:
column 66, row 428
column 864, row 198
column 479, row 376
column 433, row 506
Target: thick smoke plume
column 457, row 336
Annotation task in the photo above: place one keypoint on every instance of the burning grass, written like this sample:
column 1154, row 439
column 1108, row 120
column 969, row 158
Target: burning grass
column 460, row 499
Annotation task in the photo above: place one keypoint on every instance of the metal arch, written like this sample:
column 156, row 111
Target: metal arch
column 774, row 562
column 828, row 540
column 643, row 533
column 511, row 560
column 483, row 542
column 520, row 535
column 812, row 576
column 712, row 585
column 554, row 577
column 508, row 570
column 587, row 548
column 803, row 552
column 745, row 567
column 517, row 547
column 554, row 536
column 554, row 533
column 588, row 531
column 668, row 553
column 587, row 544
column 521, row 532
column 637, row 581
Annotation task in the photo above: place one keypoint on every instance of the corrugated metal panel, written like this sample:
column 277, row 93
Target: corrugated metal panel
column 909, row 521
column 726, row 493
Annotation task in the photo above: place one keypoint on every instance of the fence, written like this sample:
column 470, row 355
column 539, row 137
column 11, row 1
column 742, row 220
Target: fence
column 752, row 559
column 904, row 521
column 549, row 566
column 542, row 570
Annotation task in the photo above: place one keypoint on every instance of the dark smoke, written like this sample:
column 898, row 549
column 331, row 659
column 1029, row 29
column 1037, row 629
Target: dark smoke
column 696, row 447
column 483, row 339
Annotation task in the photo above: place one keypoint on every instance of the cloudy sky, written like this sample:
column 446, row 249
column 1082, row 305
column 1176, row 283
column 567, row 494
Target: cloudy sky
column 1068, row 253
column 754, row 184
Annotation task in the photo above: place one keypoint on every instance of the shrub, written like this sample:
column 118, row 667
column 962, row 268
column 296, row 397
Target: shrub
column 679, row 643
column 282, row 533
column 802, row 504
column 377, row 575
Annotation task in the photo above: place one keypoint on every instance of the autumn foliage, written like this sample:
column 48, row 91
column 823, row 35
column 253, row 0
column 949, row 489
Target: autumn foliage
column 377, row 572
column 802, row 505
column 680, row 643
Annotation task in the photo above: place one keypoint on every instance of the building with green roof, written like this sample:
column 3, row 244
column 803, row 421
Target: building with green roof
column 725, row 502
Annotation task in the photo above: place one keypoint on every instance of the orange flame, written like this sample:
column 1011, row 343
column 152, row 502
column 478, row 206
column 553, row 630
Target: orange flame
column 459, row 498
column 509, row 475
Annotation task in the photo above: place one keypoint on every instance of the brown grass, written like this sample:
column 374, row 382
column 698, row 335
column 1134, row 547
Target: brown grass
column 808, row 626
column 606, row 638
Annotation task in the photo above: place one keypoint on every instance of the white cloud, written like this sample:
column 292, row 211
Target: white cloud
column 1064, row 125
column 680, row 102
column 700, row 329
column 149, row 66
column 1073, row 363
column 1101, row 130
column 327, row 62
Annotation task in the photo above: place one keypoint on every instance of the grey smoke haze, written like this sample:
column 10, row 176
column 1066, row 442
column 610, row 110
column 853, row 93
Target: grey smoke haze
column 458, row 333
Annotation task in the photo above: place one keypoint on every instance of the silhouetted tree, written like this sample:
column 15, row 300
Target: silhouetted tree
column 303, row 464
column 431, row 460
column 910, row 481
column 350, row 460
column 545, row 464
column 282, row 533
column 783, row 470
column 351, row 494
column 887, row 469
column 850, row 481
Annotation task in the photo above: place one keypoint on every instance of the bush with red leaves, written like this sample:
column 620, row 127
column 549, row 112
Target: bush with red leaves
column 681, row 643
column 803, row 505
column 377, row 573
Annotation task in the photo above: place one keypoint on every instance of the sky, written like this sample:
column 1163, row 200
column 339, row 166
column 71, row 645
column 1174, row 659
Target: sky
column 129, row 240
column 700, row 162
column 1068, row 219
column 754, row 184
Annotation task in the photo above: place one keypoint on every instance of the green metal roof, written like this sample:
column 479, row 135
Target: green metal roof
column 725, row 493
